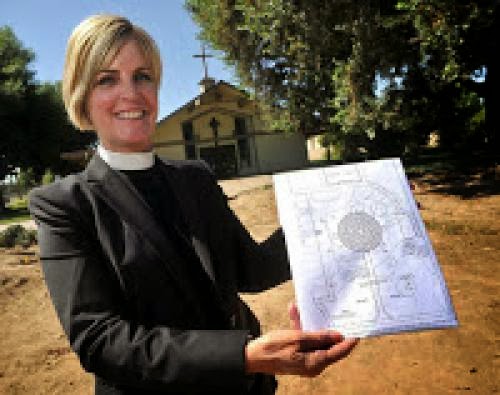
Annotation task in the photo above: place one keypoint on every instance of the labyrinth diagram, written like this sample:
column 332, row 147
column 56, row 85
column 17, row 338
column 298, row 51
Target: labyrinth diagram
column 361, row 260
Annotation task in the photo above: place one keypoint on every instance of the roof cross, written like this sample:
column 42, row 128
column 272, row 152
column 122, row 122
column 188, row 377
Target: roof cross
column 204, row 57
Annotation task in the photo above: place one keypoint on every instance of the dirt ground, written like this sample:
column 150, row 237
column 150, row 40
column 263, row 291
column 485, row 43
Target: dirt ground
column 35, row 357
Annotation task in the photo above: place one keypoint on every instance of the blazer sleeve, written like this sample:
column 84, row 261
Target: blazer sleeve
column 260, row 266
column 91, row 306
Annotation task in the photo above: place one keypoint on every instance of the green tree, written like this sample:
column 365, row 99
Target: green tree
column 15, row 80
column 317, row 63
column 285, row 60
column 48, row 177
column 33, row 123
column 458, row 46
column 25, row 181
column 48, row 125
column 377, row 75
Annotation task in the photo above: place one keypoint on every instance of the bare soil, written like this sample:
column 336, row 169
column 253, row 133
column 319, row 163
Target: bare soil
column 35, row 357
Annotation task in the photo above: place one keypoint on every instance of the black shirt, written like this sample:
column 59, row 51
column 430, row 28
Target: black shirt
column 157, row 192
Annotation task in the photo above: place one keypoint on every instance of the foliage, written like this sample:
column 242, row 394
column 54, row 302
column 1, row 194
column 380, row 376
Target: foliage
column 48, row 177
column 17, row 235
column 25, row 180
column 376, row 76
column 14, row 87
column 18, row 203
column 459, row 56
column 284, row 60
column 49, row 126
column 33, row 123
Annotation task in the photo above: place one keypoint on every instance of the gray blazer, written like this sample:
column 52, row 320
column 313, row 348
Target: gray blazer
column 122, row 293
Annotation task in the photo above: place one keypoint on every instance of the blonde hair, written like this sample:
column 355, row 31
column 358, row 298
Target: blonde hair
column 92, row 46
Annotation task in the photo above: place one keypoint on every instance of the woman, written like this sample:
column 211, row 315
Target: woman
column 143, row 258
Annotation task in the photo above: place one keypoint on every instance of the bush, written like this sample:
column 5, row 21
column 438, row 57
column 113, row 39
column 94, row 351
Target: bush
column 48, row 177
column 18, row 203
column 25, row 181
column 17, row 235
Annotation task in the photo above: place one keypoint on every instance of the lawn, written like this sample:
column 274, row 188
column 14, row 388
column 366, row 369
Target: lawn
column 16, row 210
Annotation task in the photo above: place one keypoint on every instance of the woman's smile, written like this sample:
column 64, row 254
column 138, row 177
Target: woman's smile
column 131, row 114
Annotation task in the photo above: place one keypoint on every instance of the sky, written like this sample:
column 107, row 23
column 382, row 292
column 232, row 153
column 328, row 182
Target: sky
column 45, row 25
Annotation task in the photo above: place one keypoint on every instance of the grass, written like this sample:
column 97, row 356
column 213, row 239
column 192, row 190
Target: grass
column 15, row 211
column 18, row 203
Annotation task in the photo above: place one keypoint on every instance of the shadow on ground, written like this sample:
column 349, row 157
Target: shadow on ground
column 472, row 175
column 467, row 186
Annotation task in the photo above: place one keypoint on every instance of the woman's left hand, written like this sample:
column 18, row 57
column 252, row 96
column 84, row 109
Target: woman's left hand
column 295, row 351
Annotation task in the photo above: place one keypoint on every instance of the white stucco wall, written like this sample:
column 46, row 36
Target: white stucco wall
column 175, row 152
column 280, row 151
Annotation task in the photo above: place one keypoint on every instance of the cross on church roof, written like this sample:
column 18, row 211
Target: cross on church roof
column 204, row 57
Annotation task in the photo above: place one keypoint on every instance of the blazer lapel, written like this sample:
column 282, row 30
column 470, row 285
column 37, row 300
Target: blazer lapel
column 116, row 190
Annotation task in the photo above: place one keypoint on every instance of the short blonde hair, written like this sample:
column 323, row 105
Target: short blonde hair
column 92, row 46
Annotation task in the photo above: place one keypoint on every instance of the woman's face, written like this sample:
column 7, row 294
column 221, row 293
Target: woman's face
column 123, row 102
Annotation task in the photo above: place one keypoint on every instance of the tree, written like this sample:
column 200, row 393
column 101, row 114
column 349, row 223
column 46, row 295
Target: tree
column 48, row 177
column 33, row 123
column 316, row 62
column 15, row 79
column 459, row 46
column 25, row 181
column 48, row 124
column 380, row 75
column 283, row 59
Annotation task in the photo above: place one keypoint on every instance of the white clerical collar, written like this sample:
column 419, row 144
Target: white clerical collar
column 126, row 160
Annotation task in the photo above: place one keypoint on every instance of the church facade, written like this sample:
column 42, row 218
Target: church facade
column 222, row 126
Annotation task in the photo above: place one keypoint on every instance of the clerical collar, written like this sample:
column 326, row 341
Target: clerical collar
column 126, row 160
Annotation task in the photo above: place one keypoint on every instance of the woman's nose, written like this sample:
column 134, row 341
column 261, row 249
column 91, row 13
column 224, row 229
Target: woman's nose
column 128, row 89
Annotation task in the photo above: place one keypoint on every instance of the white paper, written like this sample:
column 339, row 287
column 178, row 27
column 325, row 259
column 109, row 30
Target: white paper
column 361, row 260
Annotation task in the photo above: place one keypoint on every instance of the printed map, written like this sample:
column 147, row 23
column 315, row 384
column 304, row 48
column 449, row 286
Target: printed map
column 361, row 260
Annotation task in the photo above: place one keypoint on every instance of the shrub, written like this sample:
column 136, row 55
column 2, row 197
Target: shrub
column 48, row 177
column 18, row 203
column 17, row 235
column 25, row 181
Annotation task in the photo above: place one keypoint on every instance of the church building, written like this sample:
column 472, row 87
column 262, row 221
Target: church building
column 222, row 126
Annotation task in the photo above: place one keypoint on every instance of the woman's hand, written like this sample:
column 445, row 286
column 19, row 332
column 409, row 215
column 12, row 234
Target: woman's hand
column 293, row 312
column 296, row 352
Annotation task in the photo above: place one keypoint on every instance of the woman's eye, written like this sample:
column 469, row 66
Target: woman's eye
column 143, row 77
column 106, row 80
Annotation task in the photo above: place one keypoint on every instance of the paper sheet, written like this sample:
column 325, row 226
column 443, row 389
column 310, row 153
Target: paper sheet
column 361, row 260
